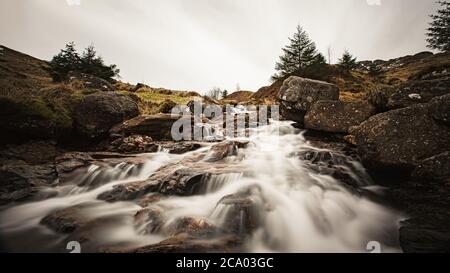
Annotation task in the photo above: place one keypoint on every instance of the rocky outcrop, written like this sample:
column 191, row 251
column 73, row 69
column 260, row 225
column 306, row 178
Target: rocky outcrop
column 158, row 127
column 134, row 144
column 297, row 95
column 99, row 112
column 19, row 180
column 434, row 169
column 401, row 139
column 337, row 116
column 418, row 92
column 83, row 80
column 440, row 109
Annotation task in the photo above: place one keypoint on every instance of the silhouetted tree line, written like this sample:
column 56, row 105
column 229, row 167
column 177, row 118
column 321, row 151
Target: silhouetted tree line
column 69, row 60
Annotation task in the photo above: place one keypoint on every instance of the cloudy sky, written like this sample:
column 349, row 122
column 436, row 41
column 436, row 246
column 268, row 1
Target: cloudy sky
column 199, row 44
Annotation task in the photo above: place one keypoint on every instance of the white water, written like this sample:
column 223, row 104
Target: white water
column 301, row 210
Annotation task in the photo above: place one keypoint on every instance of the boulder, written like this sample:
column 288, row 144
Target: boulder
column 187, row 243
column 401, row 139
column 99, row 112
column 440, row 109
column 337, row 116
column 134, row 144
column 65, row 220
column 19, row 180
column 297, row 95
column 83, row 80
column 158, row 127
column 418, row 92
column 435, row 169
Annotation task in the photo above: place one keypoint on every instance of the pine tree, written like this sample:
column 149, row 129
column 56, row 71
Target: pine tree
column 320, row 59
column 439, row 30
column 300, row 53
column 69, row 60
column 224, row 94
column 64, row 62
column 347, row 61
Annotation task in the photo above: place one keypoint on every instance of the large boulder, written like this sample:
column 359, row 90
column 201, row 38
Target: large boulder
column 418, row 92
column 158, row 127
column 297, row 95
column 20, row 180
column 401, row 138
column 440, row 109
column 337, row 116
column 99, row 112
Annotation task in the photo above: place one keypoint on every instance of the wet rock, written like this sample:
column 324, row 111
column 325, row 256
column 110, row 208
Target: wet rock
column 418, row 92
column 99, row 112
column 69, row 162
column 191, row 225
column 400, row 139
column 184, row 178
column 224, row 149
column 297, row 95
column 243, row 211
column 337, row 116
column 19, row 180
column 185, row 243
column 65, row 220
column 149, row 220
column 134, row 144
column 180, row 147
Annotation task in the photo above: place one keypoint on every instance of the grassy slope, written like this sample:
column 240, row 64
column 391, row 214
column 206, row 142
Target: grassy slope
column 356, row 84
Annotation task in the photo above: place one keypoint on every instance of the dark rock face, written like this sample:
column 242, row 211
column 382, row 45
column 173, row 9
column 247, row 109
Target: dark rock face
column 19, row 123
column 435, row 169
column 158, row 127
column 418, row 92
column 337, row 116
column 297, row 95
column 401, row 138
column 18, row 179
column 440, row 109
column 99, row 112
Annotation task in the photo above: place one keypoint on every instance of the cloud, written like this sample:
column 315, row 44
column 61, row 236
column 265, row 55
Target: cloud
column 199, row 44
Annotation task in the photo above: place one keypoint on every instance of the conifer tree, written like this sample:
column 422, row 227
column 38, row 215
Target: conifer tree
column 300, row 53
column 347, row 61
column 439, row 30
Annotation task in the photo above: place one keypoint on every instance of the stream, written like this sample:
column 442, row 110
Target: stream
column 287, row 185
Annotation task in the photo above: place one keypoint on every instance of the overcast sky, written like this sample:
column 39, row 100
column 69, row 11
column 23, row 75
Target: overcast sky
column 199, row 44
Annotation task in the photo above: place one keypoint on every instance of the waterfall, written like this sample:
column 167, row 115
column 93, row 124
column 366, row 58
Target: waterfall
column 286, row 199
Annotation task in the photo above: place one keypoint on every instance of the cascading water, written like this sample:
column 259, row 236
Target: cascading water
column 287, row 187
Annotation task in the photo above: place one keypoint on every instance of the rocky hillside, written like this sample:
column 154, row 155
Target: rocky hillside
column 370, row 76
column 34, row 107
